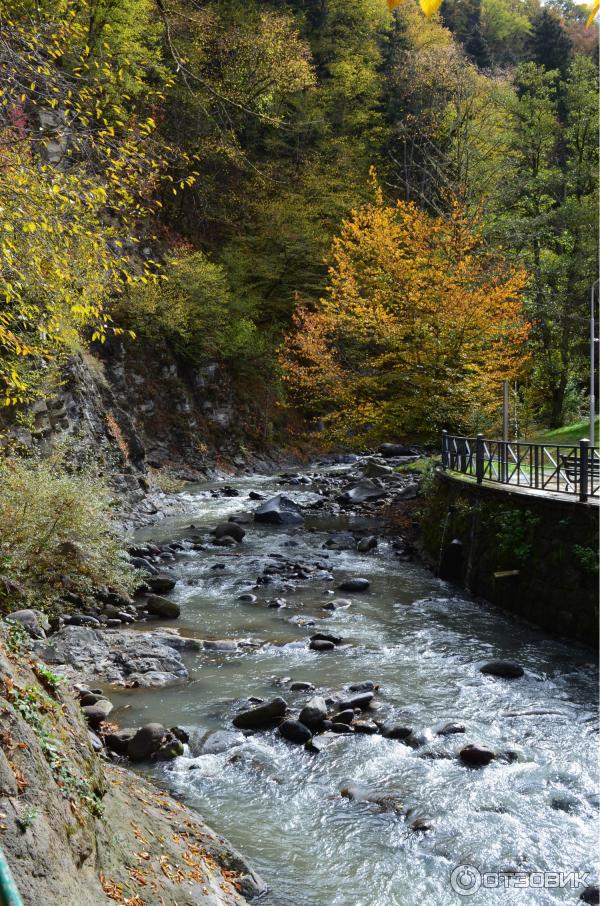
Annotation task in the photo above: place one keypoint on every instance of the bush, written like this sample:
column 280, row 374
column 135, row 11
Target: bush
column 57, row 533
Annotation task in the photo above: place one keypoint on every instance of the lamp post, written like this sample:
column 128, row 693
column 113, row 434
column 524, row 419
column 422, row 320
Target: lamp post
column 592, row 431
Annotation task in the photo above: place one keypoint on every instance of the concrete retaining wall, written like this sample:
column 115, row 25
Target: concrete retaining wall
column 534, row 556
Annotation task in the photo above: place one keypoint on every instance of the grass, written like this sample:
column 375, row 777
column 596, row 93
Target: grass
column 568, row 434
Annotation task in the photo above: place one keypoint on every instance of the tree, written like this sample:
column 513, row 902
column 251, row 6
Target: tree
column 549, row 44
column 546, row 215
column 420, row 325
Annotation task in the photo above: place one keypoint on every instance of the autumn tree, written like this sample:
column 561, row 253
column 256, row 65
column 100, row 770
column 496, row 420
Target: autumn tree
column 419, row 326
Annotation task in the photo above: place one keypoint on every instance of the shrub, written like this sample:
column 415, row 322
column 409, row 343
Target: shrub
column 57, row 532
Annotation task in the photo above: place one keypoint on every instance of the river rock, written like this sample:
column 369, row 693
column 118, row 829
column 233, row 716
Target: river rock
column 34, row 622
column 301, row 686
column 261, row 716
column 367, row 544
column 170, row 749
column 229, row 530
column 247, row 598
column 476, row 756
column 119, row 740
column 341, row 541
column 147, row 740
column 374, row 469
column 97, row 712
column 364, row 686
column 280, row 510
column 326, row 637
column 345, row 717
column 451, row 729
column 360, row 493
column 214, row 743
column 409, row 491
column 365, row 726
column 360, row 701
column 590, row 894
column 89, row 698
column 295, row 731
column 505, row 669
column 89, row 656
column 390, row 450
column 162, row 607
column 393, row 730
column 339, row 727
column 321, row 645
column 337, row 603
column 314, row 713
column 220, row 645
column 142, row 563
column 354, row 585
column 160, row 583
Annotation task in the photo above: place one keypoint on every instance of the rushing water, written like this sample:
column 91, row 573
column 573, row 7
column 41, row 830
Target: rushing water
column 424, row 644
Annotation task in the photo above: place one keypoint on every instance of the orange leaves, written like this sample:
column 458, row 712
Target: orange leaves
column 420, row 325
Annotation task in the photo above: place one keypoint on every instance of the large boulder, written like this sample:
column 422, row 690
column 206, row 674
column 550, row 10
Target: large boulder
column 229, row 530
column 162, row 607
column 121, row 657
column 118, row 741
column 505, row 669
column 313, row 713
column 146, row 741
column 360, row 493
column 261, row 716
column 279, row 510
column 374, row 469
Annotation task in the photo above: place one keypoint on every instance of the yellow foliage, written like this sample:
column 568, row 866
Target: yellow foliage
column 420, row 326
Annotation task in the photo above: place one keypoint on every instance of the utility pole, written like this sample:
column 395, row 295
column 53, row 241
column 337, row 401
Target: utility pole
column 592, row 431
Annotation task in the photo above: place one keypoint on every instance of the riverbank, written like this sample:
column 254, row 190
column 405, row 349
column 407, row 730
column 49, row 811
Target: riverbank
column 78, row 830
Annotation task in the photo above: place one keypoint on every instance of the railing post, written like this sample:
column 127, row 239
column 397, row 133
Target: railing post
column 537, row 465
column 479, row 453
column 584, row 449
column 444, row 449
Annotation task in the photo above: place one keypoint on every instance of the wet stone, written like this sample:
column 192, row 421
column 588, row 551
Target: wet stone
column 476, row 756
column 295, row 731
column 262, row 716
column 321, row 645
column 357, row 584
column 504, row 669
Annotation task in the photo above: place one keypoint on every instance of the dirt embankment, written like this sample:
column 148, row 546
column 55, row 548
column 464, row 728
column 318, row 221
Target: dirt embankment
column 76, row 830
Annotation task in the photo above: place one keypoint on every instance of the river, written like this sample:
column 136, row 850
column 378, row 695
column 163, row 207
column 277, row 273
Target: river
column 532, row 811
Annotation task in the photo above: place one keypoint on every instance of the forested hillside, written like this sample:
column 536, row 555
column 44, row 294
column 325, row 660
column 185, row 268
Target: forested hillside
column 373, row 217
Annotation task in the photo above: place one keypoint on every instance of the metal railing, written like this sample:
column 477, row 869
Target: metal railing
column 559, row 468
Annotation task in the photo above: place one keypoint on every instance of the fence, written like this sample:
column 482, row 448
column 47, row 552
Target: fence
column 566, row 469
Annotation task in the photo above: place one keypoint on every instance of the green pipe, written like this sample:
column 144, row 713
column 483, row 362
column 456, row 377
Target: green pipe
column 9, row 895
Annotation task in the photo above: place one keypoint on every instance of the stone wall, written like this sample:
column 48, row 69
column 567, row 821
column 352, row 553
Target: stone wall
column 533, row 556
